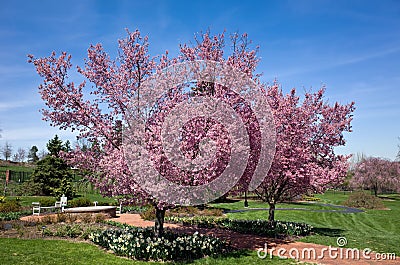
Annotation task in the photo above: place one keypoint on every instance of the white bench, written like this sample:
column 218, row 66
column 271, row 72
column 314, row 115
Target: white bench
column 63, row 202
column 37, row 209
column 119, row 209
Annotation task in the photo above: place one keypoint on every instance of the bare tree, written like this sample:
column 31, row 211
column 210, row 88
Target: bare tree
column 42, row 154
column 6, row 151
column 356, row 159
column 398, row 154
column 20, row 155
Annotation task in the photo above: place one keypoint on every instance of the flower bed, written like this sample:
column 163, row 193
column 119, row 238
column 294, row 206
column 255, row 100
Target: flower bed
column 13, row 215
column 199, row 221
column 256, row 227
column 265, row 228
column 140, row 243
column 310, row 198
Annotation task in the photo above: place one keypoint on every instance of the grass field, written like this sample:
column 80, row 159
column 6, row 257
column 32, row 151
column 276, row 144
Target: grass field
column 35, row 251
column 19, row 168
column 374, row 229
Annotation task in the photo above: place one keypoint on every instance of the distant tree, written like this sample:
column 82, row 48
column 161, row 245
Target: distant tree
column 377, row 174
column 52, row 173
column 67, row 146
column 355, row 160
column 7, row 151
column 398, row 154
column 42, row 154
column 83, row 144
column 32, row 155
column 20, row 155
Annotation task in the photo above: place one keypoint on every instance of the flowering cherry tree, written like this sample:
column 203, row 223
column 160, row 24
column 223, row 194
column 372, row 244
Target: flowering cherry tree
column 97, row 111
column 376, row 174
column 306, row 133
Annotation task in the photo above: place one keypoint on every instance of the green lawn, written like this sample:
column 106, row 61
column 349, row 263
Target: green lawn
column 16, row 168
column 35, row 251
column 97, row 197
column 27, row 200
column 374, row 229
column 333, row 197
column 253, row 204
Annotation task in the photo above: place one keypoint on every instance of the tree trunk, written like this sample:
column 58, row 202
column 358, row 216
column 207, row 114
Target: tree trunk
column 271, row 212
column 246, row 203
column 159, row 223
column 376, row 191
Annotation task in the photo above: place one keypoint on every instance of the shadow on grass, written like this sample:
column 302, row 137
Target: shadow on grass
column 224, row 200
column 390, row 198
column 230, row 255
column 302, row 203
column 324, row 231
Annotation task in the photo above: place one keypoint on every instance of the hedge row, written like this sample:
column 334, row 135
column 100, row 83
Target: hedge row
column 256, row 227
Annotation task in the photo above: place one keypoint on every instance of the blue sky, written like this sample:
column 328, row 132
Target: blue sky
column 353, row 47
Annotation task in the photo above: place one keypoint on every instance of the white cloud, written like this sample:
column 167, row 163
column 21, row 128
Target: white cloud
column 365, row 57
column 326, row 63
column 26, row 137
column 34, row 133
column 7, row 106
column 15, row 70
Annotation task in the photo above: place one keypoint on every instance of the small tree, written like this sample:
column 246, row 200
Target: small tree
column 376, row 174
column 52, row 173
column 307, row 132
column 7, row 151
column 55, row 146
column 32, row 155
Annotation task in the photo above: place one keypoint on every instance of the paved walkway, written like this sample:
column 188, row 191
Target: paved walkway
column 336, row 256
column 136, row 220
